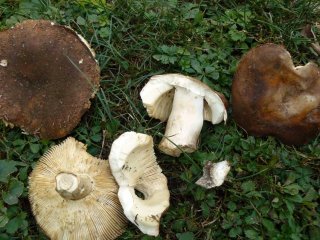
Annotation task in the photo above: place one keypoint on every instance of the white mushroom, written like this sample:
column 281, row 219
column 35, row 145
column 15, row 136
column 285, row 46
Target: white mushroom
column 214, row 174
column 73, row 195
column 185, row 103
column 134, row 166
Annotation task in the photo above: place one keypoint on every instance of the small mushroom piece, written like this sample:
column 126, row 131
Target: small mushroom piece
column 272, row 97
column 308, row 32
column 214, row 174
column 43, row 88
column 134, row 166
column 185, row 103
column 73, row 195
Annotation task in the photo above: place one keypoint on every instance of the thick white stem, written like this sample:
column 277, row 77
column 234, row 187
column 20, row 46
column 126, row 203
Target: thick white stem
column 184, row 124
column 73, row 187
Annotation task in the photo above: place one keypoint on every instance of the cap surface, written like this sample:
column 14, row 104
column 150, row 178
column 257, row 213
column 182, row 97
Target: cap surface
column 47, row 76
column 272, row 97
column 134, row 167
column 97, row 214
column 157, row 96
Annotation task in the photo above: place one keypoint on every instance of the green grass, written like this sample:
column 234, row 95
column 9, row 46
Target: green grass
column 272, row 191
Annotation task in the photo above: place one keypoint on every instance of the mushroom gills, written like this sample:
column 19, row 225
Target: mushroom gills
column 184, row 124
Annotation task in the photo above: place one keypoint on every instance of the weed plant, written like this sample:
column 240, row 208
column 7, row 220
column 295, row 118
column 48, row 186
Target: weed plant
column 272, row 191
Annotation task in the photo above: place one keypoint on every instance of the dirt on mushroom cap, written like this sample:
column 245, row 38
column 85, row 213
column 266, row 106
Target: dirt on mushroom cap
column 272, row 97
column 49, row 78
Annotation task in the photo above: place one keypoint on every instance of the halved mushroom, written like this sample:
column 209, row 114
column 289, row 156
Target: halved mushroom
column 73, row 195
column 48, row 74
column 134, row 166
column 185, row 103
column 270, row 96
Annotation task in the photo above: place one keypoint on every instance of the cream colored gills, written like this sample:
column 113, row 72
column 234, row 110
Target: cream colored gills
column 134, row 166
column 185, row 122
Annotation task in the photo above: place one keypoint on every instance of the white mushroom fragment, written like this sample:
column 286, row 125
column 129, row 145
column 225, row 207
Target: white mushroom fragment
column 134, row 166
column 214, row 174
column 74, row 196
column 185, row 103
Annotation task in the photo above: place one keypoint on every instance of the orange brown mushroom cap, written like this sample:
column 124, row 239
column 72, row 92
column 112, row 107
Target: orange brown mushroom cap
column 270, row 96
column 47, row 76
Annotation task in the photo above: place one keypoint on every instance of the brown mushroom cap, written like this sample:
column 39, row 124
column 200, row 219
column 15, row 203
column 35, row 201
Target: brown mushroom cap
column 272, row 97
column 47, row 76
column 73, row 195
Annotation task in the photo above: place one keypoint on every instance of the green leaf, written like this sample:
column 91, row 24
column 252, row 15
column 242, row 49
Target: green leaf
column 14, row 191
column 185, row 236
column 248, row 186
column 178, row 225
column 205, row 209
column 3, row 220
column 196, row 66
column 81, row 20
column 292, row 189
column 269, row 225
column 251, row 234
column 23, row 173
column 14, row 224
column 19, row 142
column 104, row 32
column 232, row 206
column 6, row 168
column 34, row 147
column 311, row 195
column 4, row 236
column 234, row 232
column 96, row 137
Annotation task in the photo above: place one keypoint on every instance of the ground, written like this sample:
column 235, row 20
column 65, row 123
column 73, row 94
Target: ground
column 272, row 191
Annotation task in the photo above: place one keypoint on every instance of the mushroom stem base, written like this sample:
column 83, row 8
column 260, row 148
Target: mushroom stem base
column 184, row 123
column 73, row 187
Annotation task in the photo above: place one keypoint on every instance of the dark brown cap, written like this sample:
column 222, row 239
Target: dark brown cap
column 48, row 74
column 270, row 96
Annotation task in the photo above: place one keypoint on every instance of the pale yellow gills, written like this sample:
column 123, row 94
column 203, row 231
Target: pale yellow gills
column 73, row 195
column 134, row 166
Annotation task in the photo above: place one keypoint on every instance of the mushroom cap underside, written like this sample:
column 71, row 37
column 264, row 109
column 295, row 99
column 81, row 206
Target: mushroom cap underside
column 272, row 97
column 157, row 97
column 96, row 216
column 48, row 79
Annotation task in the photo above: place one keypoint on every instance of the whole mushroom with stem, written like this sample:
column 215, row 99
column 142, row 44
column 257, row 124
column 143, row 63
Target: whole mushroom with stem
column 183, row 102
column 73, row 195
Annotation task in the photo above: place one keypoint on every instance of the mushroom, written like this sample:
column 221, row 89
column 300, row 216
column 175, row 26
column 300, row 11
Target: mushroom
column 214, row 174
column 184, row 102
column 73, row 195
column 134, row 166
column 270, row 96
column 48, row 74
column 308, row 32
